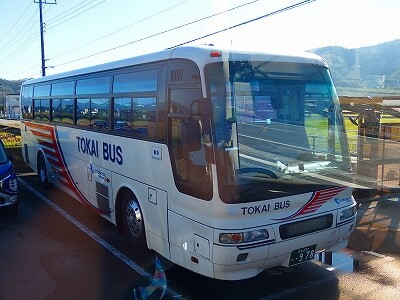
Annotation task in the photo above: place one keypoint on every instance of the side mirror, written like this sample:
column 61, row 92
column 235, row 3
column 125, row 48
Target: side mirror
column 200, row 107
column 191, row 137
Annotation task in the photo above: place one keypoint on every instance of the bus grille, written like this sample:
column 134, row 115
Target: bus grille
column 295, row 229
column 176, row 75
column 102, row 196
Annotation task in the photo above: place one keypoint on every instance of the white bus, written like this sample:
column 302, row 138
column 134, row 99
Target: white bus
column 224, row 162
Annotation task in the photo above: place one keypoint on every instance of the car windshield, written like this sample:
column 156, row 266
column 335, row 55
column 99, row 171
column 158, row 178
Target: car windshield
column 278, row 129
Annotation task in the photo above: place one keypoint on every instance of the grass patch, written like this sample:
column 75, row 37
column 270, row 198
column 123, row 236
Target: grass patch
column 10, row 140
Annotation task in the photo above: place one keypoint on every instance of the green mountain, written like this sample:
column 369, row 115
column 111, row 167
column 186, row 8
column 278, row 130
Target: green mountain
column 10, row 86
column 374, row 67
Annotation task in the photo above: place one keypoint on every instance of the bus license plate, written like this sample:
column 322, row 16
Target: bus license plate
column 301, row 255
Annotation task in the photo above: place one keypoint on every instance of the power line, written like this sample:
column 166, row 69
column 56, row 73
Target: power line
column 16, row 22
column 59, row 23
column 25, row 71
column 123, row 28
column 12, row 42
column 190, row 23
column 247, row 22
column 23, row 43
column 159, row 33
column 31, row 37
column 65, row 13
column 29, row 40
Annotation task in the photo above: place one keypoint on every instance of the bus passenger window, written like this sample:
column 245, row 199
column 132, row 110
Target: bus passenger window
column 93, row 113
column 97, row 85
column 135, row 116
column 144, row 113
column 27, row 103
column 45, row 109
column 67, row 111
column 56, row 110
column 36, row 109
column 41, row 91
column 139, row 81
column 83, row 112
column 41, row 109
column 63, row 88
column 122, row 114
column 99, row 115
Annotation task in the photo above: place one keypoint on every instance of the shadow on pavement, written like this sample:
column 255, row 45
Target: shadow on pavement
column 378, row 221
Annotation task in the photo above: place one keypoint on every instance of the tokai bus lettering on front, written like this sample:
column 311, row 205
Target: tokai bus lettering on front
column 264, row 208
column 108, row 151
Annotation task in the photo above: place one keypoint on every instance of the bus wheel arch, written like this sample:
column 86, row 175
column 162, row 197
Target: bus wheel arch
column 42, row 170
column 130, row 219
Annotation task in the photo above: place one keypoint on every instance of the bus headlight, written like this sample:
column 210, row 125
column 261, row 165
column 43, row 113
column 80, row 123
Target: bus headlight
column 243, row 237
column 348, row 213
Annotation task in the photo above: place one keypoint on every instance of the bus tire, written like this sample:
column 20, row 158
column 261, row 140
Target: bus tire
column 133, row 221
column 42, row 171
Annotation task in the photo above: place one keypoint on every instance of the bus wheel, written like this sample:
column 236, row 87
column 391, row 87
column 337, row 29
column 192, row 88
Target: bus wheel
column 133, row 222
column 42, row 171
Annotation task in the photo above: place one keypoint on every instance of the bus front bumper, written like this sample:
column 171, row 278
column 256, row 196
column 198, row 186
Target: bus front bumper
column 234, row 263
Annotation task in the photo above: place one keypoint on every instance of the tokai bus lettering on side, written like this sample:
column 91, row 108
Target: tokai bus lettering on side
column 110, row 152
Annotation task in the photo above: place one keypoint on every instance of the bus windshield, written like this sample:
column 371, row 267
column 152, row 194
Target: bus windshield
column 278, row 129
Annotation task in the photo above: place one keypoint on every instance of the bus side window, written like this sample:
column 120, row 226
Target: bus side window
column 122, row 115
column 41, row 109
column 56, row 110
column 135, row 116
column 67, row 111
column 27, row 102
column 144, row 109
column 99, row 113
column 83, row 112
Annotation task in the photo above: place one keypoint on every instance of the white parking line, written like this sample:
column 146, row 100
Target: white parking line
column 125, row 259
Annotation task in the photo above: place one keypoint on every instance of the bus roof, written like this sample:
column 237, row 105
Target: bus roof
column 199, row 54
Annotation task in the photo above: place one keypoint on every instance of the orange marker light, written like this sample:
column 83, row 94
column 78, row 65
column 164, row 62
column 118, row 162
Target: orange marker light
column 215, row 54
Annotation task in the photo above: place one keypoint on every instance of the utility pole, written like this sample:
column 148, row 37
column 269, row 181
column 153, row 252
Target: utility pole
column 3, row 99
column 41, row 2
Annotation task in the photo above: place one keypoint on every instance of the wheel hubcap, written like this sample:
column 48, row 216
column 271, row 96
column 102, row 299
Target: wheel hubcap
column 42, row 171
column 134, row 218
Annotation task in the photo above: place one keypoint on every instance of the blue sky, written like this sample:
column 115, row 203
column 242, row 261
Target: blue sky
column 82, row 33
